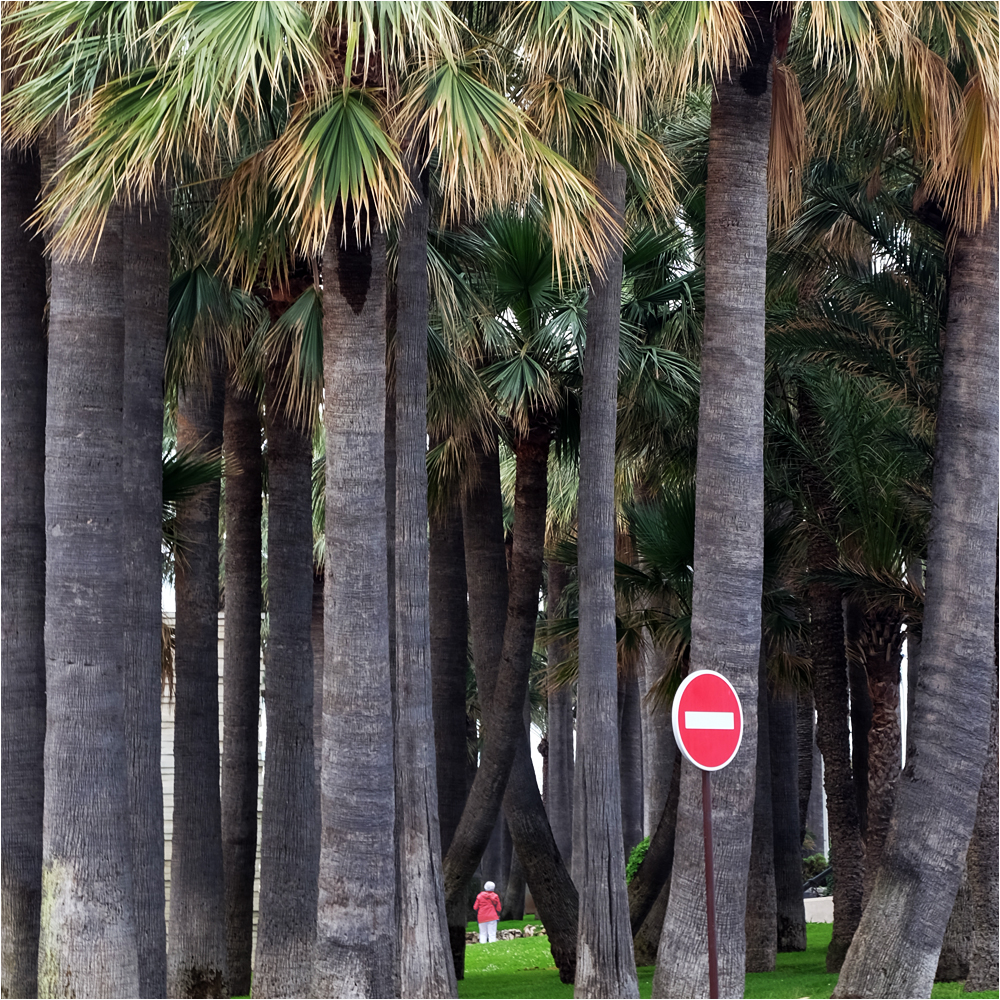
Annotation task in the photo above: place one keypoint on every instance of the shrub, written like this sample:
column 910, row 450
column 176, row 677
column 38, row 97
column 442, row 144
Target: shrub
column 813, row 865
column 635, row 859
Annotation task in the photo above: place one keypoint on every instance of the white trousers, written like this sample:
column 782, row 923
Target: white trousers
column 487, row 931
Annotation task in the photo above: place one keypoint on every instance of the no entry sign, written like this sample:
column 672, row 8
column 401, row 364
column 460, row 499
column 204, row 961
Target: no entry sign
column 708, row 720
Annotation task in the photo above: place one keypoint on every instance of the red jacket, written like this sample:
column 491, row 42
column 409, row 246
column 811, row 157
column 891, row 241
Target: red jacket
column 487, row 906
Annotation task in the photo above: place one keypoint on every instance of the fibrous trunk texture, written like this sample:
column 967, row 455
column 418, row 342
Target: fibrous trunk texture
column 605, row 960
column 241, row 677
column 896, row 948
column 22, row 552
column 146, row 281
column 289, row 839
column 425, row 965
column 725, row 620
column 87, row 941
column 559, row 775
column 790, row 910
column 196, row 959
column 449, row 611
column 356, row 926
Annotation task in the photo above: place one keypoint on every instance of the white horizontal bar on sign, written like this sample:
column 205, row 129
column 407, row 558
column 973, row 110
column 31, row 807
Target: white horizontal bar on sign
column 709, row 720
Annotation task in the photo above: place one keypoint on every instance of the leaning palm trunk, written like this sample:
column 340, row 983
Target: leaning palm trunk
column 289, row 849
column 241, row 677
column 87, row 943
column 425, row 965
column 896, row 948
column 449, row 627
column 606, row 965
column 355, row 926
column 729, row 517
column 486, row 573
column 146, row 274
column 23, row 574
column 196, row 958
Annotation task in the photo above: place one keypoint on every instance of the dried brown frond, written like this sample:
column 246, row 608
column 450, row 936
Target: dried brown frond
column 788, row 151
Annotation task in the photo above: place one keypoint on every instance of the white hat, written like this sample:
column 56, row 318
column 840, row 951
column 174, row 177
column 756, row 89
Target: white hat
column 489, row 887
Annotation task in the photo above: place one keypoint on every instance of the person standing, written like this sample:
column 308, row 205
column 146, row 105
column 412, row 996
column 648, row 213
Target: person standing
column 487, row 907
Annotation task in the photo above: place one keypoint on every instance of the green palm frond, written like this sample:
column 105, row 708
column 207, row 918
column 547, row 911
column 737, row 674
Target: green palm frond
column 293, row 344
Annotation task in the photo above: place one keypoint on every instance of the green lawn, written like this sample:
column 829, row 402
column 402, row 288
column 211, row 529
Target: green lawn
column 523, row 968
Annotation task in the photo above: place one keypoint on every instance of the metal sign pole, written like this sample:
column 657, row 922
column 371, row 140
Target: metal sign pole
column 713, row 952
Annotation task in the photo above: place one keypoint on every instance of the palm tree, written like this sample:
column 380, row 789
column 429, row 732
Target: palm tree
column 23, row 418
column 725, row 612
column 290, row 827
column 88, row 941
column 241, row 672
column 196, row 959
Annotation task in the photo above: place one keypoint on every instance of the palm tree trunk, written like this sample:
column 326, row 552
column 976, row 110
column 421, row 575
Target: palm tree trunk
column 426, row 968
column 896, row 948
column 761, row 918
column 196, row 959
column 881, row 649
column 830, row 690
column 861, row 710
column 316, row 638
column 725, row 621
column 87, row 943
column 956, row 947
column 657, row 742
column 355, row 927
column 791, row 914
column 449, row 620
column 630, row 761
column 146, row 281
column 23, row 573
column 606, row 965
column 289, row 849
column 982, row 866
column 805, row 738
column 514, row 890
column 559, row 777
column 241, row 677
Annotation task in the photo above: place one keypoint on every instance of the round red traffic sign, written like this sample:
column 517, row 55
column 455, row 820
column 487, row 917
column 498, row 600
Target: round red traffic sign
column 708, row 720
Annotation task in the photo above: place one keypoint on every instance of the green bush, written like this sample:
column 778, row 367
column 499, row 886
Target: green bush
column 813, row 865
column 635, row 859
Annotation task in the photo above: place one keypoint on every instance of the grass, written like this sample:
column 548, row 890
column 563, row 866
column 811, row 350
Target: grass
column 523, row 967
